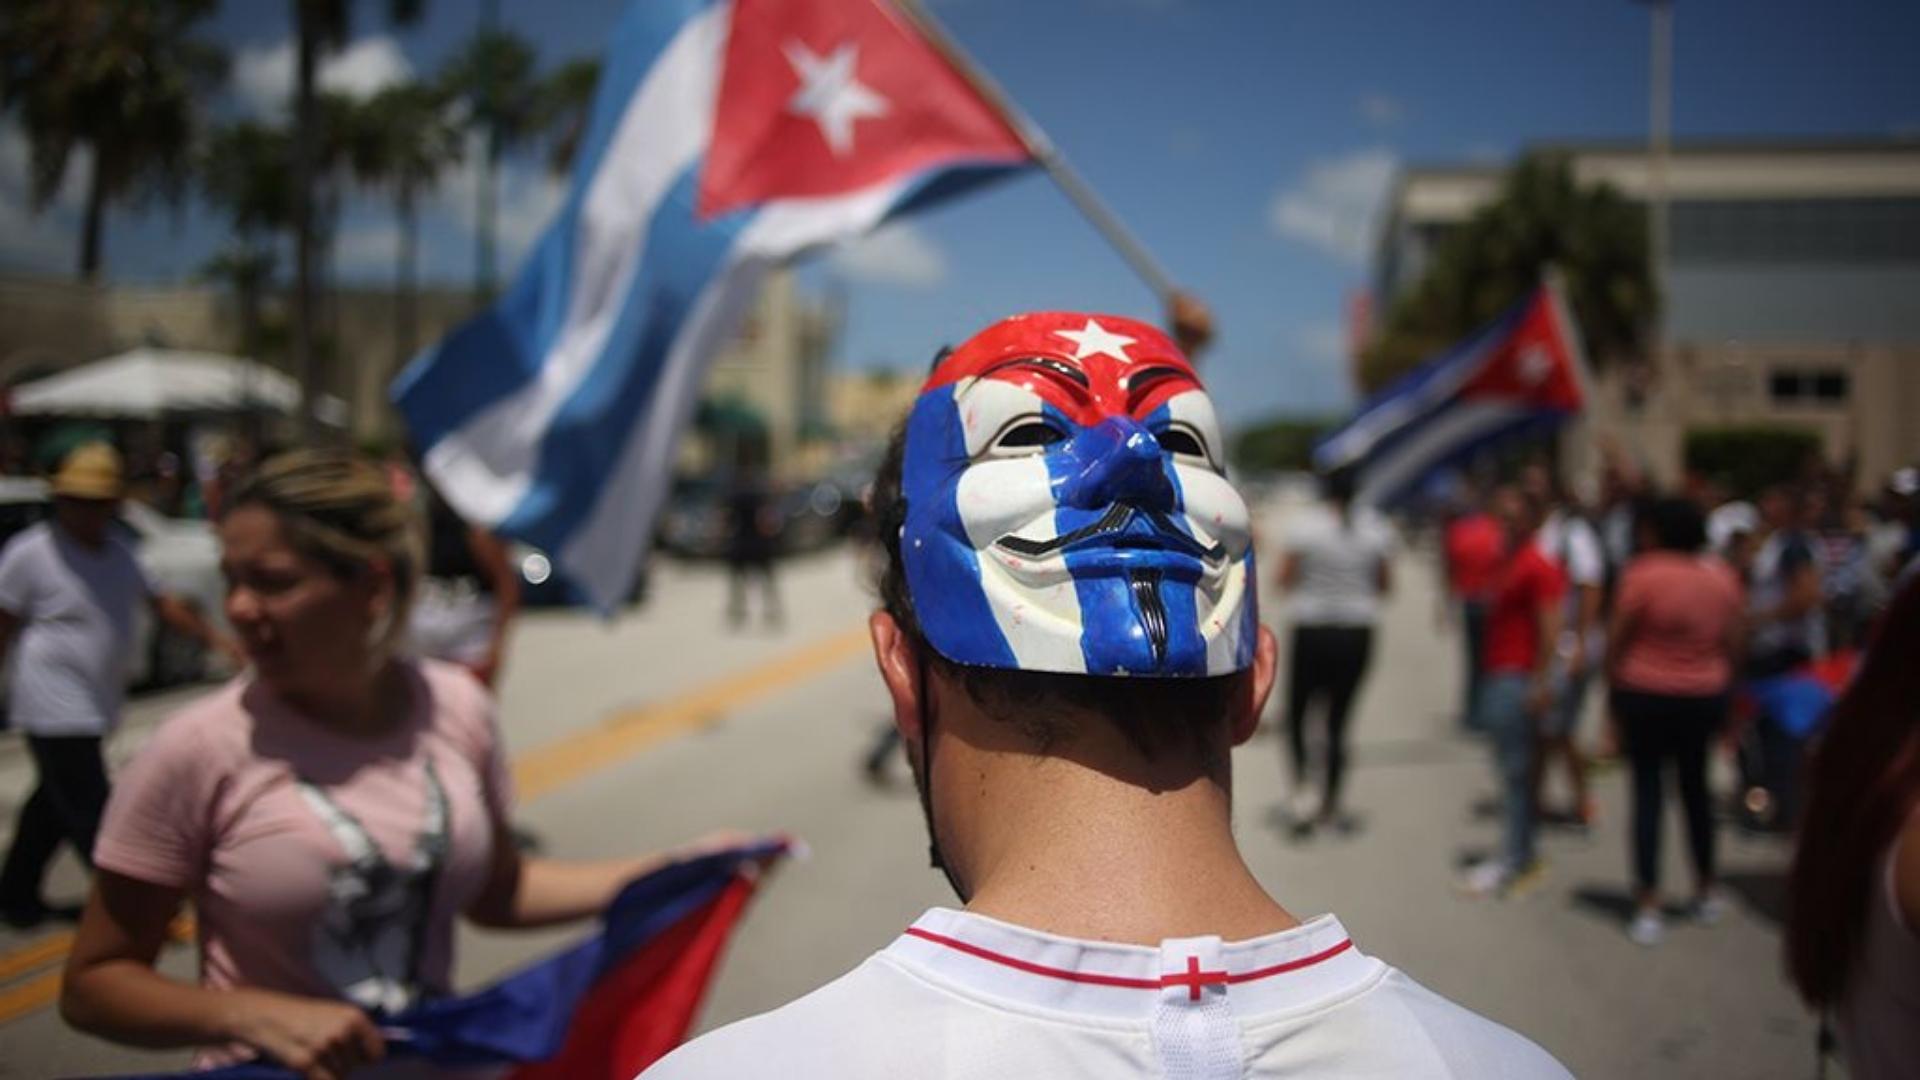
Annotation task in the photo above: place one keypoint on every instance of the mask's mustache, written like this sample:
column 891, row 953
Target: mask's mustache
column 1117, row 519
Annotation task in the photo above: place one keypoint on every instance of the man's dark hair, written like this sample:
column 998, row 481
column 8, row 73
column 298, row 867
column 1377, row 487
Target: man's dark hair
column 1157, row 716
column 1677, row 525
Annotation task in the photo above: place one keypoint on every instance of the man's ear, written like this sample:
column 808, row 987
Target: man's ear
column 1248, row 705
column 899, row 661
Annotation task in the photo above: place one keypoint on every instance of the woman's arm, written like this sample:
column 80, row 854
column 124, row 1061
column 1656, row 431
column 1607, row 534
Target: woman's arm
column 490, row 555
column 112, row 990
column 523, row 893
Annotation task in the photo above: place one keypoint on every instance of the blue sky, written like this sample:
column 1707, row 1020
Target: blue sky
column 1245, row 141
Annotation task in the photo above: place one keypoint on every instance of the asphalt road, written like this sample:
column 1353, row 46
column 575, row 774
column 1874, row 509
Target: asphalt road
column 644, row 732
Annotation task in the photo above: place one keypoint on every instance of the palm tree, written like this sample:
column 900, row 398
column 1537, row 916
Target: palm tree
column 1543, row 217
column 121, row 80
column 403, row 140
column 566, row 105
column 493, row 75
column 246, row 172
column 319, row 25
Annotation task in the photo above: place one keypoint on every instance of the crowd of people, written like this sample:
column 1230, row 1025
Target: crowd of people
column 1070, row 650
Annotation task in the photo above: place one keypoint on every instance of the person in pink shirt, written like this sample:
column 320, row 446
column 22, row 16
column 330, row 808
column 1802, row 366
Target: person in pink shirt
column 329, row 814
column 1675, row 635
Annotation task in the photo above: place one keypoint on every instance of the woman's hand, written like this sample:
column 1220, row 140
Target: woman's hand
column 320, row 1040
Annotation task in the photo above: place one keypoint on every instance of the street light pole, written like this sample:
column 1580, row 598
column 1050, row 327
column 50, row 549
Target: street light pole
column 1659, row 137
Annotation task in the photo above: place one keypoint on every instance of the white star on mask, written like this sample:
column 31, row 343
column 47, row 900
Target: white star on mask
column 830, row 94
column 1094, row 340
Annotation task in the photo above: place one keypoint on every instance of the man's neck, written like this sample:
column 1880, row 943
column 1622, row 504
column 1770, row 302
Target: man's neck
column 1069, row 850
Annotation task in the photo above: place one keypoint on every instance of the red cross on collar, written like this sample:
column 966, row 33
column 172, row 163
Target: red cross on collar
column 1193, row 978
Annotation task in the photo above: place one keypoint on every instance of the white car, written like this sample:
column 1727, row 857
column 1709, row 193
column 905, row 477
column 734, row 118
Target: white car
column 181, row 556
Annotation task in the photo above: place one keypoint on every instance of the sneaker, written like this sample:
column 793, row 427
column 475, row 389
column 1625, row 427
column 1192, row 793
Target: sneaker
column 1486, row 878
column 1647, row 928
column 1708, row 909
column 1522, row 884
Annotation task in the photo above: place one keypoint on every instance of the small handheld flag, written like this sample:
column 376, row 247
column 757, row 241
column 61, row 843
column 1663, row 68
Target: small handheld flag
column 605, row 1008
column 727, row 136
column 1523, row 371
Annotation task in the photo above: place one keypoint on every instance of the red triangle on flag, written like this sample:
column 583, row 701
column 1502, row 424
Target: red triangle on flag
column 1534, row 363
column 829, row 97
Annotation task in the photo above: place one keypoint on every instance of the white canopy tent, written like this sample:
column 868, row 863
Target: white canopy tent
column 150, row 383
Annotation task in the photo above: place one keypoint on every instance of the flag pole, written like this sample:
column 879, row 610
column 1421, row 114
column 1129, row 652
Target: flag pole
column 1045, row 153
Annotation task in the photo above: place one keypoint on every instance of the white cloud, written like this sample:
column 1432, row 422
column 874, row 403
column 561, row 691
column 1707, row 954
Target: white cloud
column 1336, row 206
column 898, row 254
column 1381, row 110
column 263, row 74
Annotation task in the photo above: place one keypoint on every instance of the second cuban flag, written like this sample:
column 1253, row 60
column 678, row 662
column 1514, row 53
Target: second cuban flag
column 727, row 136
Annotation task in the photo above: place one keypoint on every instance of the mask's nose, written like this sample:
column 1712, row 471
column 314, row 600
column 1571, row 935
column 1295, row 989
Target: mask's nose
column 1117, row 460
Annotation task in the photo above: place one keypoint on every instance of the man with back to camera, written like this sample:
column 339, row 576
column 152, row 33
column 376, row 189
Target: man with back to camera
column 1069, row 641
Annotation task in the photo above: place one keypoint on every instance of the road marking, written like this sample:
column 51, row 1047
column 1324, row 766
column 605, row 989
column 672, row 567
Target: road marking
column 545, row 768
column 537, row 772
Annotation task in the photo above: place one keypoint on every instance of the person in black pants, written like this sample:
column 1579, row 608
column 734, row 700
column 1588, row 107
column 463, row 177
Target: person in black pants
column 1335, row 571
column 1671, row 648
column 66, row 805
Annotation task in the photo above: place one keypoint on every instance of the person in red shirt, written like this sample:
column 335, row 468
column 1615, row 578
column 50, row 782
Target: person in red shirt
column 1523, row 624
column 1472, row 548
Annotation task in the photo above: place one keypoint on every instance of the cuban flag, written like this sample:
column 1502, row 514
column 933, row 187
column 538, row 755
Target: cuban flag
column 1522, row 372
column 602, row 1010
column 727, row 136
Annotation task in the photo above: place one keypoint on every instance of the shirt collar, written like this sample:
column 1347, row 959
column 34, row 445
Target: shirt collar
column 1278, row 972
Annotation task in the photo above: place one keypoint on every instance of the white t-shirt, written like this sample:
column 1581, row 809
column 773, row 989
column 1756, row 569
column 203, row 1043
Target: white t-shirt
column 1574, row 546
column 1339, row 582
column 961, row 997
column 75, row 604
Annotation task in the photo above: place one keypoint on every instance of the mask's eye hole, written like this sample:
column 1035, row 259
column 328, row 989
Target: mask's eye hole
column 1181, row 441
column 1028, row 435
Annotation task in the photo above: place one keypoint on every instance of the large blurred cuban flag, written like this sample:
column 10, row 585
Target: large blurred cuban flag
column 726, row 137
column 1523, row 372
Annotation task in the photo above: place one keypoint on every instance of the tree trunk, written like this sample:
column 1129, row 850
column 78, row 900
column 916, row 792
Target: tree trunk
column 483, row 239
column 95, row 220
column 405, row 292
column 306, row 359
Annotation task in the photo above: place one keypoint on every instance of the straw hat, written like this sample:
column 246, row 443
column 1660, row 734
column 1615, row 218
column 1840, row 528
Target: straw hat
column 91, row 471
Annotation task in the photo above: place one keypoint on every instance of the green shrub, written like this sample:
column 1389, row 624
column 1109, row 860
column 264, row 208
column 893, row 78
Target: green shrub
column 1748, row 459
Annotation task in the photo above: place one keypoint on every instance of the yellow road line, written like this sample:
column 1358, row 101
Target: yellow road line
column 545, row 768
column 537, row 772
column 31, row 996
column 35, row 954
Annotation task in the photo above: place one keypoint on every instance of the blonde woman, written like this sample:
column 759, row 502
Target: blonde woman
column 329, row 814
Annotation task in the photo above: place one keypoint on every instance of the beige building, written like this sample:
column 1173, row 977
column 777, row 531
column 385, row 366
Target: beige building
column 1792, row 285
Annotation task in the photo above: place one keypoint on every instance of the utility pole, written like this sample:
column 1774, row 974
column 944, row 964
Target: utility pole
column 483, row 223
column 1659, row 138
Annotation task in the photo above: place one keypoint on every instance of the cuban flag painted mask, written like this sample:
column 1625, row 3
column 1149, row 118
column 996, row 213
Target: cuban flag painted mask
column 1067, row 508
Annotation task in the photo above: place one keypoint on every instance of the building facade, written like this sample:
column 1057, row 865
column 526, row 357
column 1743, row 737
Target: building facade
column 1791, row 284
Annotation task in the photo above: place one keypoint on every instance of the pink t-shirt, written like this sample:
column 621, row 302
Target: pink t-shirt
column 214, row 805
column 1678, row 610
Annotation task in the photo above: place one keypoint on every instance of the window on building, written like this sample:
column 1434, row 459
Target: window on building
column 1809, row 386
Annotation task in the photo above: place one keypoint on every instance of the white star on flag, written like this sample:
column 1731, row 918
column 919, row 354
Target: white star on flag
column 831, row 94
column 1535, row 365
column 1094, row 339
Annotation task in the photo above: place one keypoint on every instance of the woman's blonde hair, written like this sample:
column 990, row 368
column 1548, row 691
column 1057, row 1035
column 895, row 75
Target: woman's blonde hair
column 342, row 511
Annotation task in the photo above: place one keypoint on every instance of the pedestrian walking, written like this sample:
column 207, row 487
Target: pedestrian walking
column 1472, row 547
column 1674, row 645
column 68, row 590
column 1786, row 631
column 1523, row 628
column 1853, row 947
column 1070, row 664
column 753, row 536
column 1335, row 570
column 329, row 815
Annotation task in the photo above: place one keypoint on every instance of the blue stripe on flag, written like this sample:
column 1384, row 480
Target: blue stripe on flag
column 582, row 444
column 501, row 349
